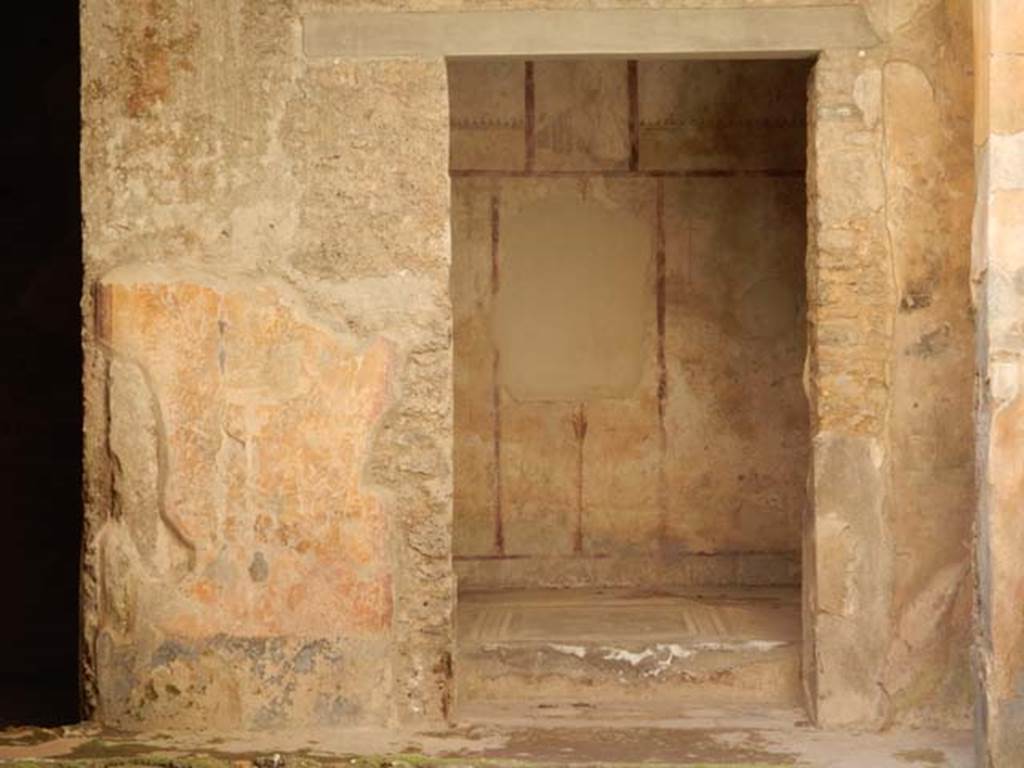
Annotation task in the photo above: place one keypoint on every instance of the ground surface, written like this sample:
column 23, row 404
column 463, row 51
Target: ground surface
column 558, row 737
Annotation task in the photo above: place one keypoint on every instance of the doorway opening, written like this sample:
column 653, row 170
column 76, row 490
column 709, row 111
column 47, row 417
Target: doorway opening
column 631, row 440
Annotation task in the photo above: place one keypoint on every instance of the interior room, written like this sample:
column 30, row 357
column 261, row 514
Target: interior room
column 631, row 429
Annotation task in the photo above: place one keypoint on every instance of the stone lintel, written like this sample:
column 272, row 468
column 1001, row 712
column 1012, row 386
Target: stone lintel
column 726, row 32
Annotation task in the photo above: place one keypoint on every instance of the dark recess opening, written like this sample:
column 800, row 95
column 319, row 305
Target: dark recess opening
column 40, row 388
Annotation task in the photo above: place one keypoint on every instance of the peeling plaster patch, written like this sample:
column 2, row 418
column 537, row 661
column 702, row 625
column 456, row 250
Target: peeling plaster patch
column 620, row 654
column 573, row 650
column 867, row 95
column 671, row 652
column 1003, row 381
column 258, row 569
column 1006, row 161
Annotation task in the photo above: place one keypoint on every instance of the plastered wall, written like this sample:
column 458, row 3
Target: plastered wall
column 628, row 298
column 999, row 296
column 291, row 216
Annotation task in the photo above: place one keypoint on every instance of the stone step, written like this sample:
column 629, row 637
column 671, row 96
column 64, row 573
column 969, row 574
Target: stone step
column 584, row 647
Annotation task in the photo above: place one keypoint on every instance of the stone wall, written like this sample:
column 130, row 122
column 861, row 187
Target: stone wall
column 259, row 224
column 998, row 280
column 628, row 298
column 889, row 591
column 267, row 374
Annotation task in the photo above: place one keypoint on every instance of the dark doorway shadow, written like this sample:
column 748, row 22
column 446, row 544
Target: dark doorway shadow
column 40, row 383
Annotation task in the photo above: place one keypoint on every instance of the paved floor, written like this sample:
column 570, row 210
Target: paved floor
column 554, row 738
column 634, row 616
column 593, row 646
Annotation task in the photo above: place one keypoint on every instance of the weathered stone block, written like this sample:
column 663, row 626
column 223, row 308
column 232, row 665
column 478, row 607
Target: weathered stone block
column 852, row 571
column 371, row 202
column 1002, row 575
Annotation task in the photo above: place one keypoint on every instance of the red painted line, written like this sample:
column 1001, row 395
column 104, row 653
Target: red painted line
column 579, row 428
column 530, row 115
column 495, row 235
column 705, row 173
column 633, row 87
column 499, row 522
column 659, row 256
